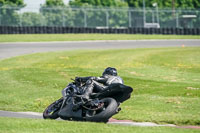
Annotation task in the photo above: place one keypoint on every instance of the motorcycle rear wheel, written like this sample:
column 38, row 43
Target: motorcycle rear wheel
column 51, row 112
column 110, row 108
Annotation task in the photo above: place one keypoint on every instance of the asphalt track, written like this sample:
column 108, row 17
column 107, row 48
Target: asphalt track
column 14, row 49
column 34, row 115
column 8, row 50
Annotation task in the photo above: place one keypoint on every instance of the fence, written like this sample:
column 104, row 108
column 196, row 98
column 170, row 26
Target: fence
column 99, row 17
column 98, row 20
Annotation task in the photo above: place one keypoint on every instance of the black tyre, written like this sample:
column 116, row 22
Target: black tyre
column 109, row 109
column 51, row 112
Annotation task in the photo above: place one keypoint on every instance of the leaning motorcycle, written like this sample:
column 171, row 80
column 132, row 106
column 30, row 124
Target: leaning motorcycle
column 72, row 106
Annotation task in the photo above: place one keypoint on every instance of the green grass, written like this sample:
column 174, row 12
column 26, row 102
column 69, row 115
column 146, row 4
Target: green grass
column 85, row 37
column 14, row 125
column 166, row 81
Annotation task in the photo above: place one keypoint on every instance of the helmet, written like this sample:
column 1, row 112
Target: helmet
column 110, row 71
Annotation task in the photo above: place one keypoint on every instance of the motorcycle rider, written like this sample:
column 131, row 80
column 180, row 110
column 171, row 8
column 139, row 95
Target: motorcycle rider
column 106, row 85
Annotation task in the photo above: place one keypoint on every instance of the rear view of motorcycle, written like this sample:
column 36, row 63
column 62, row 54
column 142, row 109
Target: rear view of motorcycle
column 100, row 107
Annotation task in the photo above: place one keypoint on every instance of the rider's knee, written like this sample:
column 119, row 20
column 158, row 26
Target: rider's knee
column 89, row 82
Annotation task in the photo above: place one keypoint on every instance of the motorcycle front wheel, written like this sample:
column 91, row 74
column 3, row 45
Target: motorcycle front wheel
column 51, row 112
column 109, row 108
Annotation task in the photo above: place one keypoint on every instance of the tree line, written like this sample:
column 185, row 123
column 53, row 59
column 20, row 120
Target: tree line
column 193, row 4
column 56, row 13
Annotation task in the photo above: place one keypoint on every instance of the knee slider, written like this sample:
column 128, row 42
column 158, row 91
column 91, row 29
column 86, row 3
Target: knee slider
column 89, row 82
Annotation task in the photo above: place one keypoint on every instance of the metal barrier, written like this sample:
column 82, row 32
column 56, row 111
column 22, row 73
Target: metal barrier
column 58, row 30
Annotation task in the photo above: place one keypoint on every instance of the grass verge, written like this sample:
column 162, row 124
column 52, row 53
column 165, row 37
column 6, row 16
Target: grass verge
column 13, row 125
column 165, row 80
column 85, row 37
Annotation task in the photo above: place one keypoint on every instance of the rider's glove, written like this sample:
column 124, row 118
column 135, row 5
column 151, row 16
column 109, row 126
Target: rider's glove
column 78, row 79
column 93, row 78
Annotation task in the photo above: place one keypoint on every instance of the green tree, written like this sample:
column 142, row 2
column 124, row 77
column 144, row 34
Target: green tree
column 8, row 12
column 49, row 3
column 167, row 18
column 31, row 19
column 56, row 13
column 104, row 3
column 12, row 2
column 93, row 15
column 165, row 3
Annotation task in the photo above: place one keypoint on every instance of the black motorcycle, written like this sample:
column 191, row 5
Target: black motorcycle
column 102, row 105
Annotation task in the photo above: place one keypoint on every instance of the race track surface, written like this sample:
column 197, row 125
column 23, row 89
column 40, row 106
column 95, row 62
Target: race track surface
column 34, row 115
column 14, row 49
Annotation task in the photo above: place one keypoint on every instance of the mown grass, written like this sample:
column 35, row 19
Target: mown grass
column 85, row 37
column 14, row 125
column 166, row 81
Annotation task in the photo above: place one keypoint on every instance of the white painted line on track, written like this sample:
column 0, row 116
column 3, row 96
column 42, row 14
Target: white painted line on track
column 30, row 113
column 142, row 124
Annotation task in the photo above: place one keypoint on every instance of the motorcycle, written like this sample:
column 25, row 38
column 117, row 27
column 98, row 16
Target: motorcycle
column 72, row 106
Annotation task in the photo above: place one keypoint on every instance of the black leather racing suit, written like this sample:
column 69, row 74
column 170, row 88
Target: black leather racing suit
column 101, row 84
